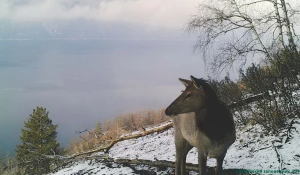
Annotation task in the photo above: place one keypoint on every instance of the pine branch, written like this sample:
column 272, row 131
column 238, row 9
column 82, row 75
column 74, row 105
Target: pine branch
column 14, row 165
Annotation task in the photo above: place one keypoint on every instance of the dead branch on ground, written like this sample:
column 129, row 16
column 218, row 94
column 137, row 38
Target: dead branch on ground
column 107, row 148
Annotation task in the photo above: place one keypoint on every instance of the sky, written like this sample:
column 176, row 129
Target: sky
column 88, row 61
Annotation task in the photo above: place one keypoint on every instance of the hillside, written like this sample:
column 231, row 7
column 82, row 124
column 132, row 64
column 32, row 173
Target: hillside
column 252, row 150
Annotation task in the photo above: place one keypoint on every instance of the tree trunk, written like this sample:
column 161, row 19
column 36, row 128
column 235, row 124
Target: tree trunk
column 253, row 28
column 279, row 24
column 292, row 44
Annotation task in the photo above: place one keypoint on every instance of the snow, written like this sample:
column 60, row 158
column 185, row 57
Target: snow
column 252, row 150
column 94, row 167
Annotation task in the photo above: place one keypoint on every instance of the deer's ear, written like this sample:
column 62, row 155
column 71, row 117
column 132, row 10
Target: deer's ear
column 195, row 80
column 185, row 82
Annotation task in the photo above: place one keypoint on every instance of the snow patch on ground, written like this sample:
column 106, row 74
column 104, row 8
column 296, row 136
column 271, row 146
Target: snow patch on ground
column 93, row 167
column 251, row 150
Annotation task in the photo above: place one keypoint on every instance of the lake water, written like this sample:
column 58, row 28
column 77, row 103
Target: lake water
column 82, row 82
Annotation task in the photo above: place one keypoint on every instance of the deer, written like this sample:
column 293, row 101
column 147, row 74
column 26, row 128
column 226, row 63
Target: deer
column 201, row 120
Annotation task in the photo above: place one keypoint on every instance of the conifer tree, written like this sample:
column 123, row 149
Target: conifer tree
column 38, row 139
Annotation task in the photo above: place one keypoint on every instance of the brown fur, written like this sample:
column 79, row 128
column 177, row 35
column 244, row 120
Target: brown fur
column 204, row 122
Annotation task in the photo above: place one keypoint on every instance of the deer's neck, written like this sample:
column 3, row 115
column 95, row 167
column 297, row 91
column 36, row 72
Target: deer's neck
column 211, row 120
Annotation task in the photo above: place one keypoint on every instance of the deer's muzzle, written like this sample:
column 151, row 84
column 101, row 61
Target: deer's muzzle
column 170, row 113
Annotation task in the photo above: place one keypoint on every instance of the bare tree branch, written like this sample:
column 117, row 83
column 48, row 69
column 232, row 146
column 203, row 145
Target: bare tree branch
column 86, row 130
column 240, row 31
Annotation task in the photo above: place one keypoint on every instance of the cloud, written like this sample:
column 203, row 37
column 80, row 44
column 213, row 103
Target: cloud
column 170, row 14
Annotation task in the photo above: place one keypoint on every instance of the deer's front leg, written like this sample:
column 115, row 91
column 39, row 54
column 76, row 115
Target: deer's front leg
column 202, row 157
column 219, row 165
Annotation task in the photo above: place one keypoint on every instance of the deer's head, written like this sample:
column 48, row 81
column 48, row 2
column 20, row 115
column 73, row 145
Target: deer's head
column 191, row 100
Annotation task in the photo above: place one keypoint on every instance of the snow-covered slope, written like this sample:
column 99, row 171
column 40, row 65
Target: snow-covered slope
column 252, row 150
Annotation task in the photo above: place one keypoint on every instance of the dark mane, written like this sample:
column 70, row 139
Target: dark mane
column 210, row 93
column 214, row 123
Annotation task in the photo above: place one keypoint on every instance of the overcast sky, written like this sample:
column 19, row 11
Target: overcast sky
column 149, row 14
column 120, row 56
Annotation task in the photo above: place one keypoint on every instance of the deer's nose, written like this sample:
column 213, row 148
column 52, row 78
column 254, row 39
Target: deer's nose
column 167, row 112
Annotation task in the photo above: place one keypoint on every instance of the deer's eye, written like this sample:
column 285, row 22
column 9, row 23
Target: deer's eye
column 188, row 96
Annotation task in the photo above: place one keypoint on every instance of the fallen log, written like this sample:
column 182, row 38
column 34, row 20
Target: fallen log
column 107, row 148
